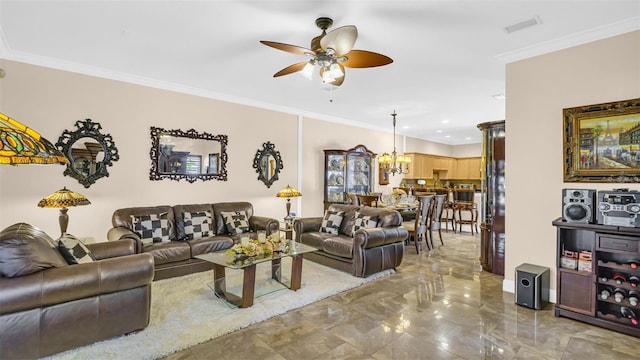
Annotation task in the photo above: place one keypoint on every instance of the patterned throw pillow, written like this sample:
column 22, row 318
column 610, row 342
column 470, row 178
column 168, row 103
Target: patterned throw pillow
column 237, row 222
column 197, row 224
column 331, row 222
column 151, row 228
column 364, row 222
column 74, row 251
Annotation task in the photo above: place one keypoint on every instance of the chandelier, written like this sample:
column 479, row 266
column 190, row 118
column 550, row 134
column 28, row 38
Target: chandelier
column 394, row 163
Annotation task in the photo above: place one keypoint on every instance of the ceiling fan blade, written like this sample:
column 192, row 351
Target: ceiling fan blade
column 364, row 59
column 288, row 48
column 291, row 69
column 341, row 40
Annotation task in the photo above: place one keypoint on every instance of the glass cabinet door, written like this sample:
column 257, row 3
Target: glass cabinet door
column 358, row 174
column 335, row 178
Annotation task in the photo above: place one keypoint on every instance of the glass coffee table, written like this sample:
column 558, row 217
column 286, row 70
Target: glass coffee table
column 222, row 260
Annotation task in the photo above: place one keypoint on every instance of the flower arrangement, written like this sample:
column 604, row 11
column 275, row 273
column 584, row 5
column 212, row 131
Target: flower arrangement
column 397, row 194
column 256, row 248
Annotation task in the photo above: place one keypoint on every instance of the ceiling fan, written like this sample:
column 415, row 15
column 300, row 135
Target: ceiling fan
column 332, row 52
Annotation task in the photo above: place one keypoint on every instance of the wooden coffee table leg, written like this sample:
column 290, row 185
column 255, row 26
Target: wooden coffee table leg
column 296, row 272
column 248, row 286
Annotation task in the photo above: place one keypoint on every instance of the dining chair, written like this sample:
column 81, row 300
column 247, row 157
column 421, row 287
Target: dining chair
column 463, row 202
column 435, row 222
column 354, row 199
column 367, row 200
column 418, row 228
column 448, row 213
column 379, row 202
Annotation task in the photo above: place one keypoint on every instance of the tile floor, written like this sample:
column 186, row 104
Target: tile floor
column 438, row 305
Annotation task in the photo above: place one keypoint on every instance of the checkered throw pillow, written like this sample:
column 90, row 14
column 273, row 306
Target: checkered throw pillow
column 152, row 228
column 364, row 222
column 197, row 224
column 74, row 251
column 331, row 222
column 237, row 222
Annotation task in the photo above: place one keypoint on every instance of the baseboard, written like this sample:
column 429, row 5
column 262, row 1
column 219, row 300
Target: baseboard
column 510, row 287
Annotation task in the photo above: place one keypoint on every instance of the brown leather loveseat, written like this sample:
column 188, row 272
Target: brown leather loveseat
column 48, row 306
column 176, row 234
column 373, row 247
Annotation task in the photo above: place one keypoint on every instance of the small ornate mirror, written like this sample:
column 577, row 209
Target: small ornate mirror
column 189, row 155
column 89, row 152
column 268, row 163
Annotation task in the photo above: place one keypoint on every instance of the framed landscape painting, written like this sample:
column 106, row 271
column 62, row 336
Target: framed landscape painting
column 601, row 142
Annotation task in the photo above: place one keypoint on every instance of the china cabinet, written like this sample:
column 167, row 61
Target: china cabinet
column 347, row 171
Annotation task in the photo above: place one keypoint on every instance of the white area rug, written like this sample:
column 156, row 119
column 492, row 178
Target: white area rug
column 185, row 311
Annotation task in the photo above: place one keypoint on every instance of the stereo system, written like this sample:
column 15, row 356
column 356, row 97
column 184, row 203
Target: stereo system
column 578, row 205
column 617, row 207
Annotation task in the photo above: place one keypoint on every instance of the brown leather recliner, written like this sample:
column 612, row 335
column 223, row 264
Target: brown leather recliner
column 361, row 253
column 176, row 257
column 48, row 306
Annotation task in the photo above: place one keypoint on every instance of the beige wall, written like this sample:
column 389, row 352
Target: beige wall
column 537, row 91
column 51, row 100
column 463, row 151
column 419, row 146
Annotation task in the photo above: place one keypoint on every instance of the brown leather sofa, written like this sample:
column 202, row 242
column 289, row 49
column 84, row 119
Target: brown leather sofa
column 176, row 257
column 48, row 306
column 367, row 252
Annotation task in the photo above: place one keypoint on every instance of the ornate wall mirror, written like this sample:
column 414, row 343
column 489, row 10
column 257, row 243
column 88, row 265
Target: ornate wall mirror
column 268, row 163
column 89, row 152
column 189, row 155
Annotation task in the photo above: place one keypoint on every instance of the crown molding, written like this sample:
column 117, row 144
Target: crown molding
column 565, row 42
column 7, row 53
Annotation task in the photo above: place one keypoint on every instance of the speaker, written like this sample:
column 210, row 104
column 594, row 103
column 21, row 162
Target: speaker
column 578, row 205
column 532, row 286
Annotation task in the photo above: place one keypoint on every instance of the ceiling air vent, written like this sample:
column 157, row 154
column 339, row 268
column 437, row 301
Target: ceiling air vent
column 523, row 24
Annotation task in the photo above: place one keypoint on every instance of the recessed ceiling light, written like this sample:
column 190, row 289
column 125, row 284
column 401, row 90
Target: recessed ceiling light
column 438, row 131
column 468, row 138
column 445, row 121
column 405, row 127
column 499, row 96
column 447, row 136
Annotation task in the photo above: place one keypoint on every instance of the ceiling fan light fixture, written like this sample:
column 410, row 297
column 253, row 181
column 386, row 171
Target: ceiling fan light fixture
column 335, row 71
column 307, row 71
column 326, row 76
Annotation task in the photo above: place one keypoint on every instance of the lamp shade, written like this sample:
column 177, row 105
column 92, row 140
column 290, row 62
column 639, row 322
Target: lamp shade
column 22, row 145
column 63, row 198
column 288, row 192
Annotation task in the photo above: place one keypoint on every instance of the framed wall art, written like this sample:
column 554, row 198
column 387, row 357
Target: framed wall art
column 601, row 142
column 383, row 175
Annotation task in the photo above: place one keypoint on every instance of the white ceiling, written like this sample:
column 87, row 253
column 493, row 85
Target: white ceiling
column 449, row 56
